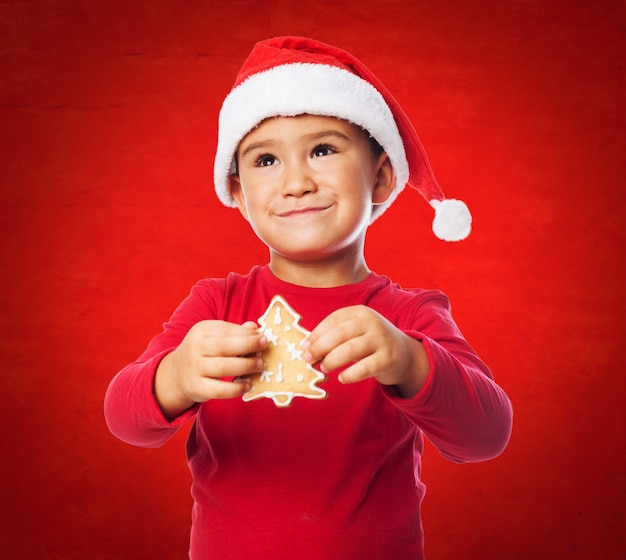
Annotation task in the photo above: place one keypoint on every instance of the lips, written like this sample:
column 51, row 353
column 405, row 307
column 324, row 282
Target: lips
column 306, row 210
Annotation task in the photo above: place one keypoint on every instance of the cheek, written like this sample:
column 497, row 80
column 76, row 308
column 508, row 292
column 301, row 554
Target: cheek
column 257, row 203
column 257, row 210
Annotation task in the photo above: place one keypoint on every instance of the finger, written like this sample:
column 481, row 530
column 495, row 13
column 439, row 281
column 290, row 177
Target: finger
column 230, row 339
column 350, row 351
column 331, row 321
column 242, row 343
column 220, row 389
column 223, row 328
column 359, row 371
column 341, row 333
column 221, row 367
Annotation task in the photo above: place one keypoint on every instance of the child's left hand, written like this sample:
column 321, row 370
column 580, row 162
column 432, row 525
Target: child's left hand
column 370, row 346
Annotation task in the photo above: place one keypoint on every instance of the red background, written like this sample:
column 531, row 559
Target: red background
column 107, row 134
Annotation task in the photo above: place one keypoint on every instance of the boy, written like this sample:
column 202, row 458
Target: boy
column 311, row 149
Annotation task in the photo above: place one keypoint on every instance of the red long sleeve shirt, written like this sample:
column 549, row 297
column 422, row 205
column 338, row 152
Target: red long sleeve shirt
column 335, row 478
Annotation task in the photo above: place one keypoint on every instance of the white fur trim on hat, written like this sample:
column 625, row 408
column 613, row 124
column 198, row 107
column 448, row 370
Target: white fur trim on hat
column 304, row 88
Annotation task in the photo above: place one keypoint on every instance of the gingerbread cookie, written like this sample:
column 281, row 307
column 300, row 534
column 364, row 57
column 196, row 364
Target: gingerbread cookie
column 286, row 374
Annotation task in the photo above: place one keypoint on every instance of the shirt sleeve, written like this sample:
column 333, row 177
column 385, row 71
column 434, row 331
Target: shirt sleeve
column 131, row 411
column 460, row 408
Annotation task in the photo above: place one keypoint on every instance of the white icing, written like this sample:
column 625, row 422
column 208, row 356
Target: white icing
column 271, row 337
column 294, row 353
column 279, row 377
column 300, row 378
column 277, row 318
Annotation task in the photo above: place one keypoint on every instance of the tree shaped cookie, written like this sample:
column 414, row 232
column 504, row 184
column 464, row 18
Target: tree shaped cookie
column 286, row 374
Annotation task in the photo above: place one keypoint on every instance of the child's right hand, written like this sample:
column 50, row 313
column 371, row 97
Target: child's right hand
column 210, row 352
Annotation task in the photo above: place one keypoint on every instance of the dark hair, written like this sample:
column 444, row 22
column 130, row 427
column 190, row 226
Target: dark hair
column 376, row 148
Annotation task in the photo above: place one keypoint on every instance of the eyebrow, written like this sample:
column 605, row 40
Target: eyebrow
column 257, row 145
column 262, row 144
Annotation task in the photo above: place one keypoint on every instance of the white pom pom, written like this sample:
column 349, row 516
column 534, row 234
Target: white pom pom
column 453, row 221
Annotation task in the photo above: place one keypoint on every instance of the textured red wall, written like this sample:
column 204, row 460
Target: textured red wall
column 107, row 217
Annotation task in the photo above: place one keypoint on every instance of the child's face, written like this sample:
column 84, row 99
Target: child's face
column 307, row 184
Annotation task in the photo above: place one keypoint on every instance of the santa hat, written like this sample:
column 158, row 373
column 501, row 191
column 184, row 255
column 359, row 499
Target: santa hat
column 290, row 76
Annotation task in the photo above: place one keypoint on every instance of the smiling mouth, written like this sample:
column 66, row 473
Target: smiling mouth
column 302, row 211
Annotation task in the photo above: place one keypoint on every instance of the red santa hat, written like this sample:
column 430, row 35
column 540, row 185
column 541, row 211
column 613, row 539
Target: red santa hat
column 290, row 76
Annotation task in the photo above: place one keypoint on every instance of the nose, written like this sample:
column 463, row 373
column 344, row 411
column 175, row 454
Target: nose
column 298, row 180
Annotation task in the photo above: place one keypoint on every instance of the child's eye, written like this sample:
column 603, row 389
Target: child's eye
column 323, row 150
column 266, row 160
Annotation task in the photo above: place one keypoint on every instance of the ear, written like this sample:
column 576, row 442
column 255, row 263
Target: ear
column 234, row 184
column 385, row 180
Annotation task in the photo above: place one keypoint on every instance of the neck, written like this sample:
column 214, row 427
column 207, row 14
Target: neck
column 319, row 274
